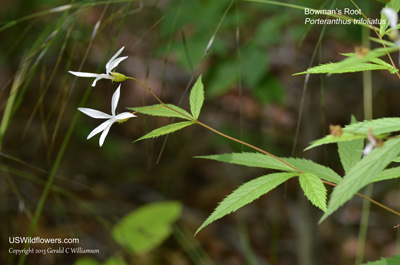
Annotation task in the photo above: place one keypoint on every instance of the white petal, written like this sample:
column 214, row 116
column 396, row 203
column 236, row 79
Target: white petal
column 114, row 64
column 367, row 149
column 83, row 74
column 101, row 76
column 104, row 134
column 114, row 100
column 113, row 58
column 95, row 113
column 391, row 16
column 124, row 116
column 100, row 128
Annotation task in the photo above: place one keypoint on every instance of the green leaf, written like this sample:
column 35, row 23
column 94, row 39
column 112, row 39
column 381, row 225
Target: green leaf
column 309, row 166
column 250, row 160
column 245, row 194
column 335, row 68
column 379, row 126
column 391, row 173
column 397, row 159
column 196, row 98
column 362, row 174
column 350, row 153
column 314, row 189
column 170, row 128
column 395, row 260
column 389, row 67
column 162, row 111
column 147, row 227
column 354, row 63
column 379, row 41
column 335, row 139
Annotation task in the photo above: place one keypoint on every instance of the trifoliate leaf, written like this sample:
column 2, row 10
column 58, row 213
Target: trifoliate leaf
column 362, row 174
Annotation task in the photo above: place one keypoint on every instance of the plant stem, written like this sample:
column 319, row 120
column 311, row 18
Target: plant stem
column 252, row 146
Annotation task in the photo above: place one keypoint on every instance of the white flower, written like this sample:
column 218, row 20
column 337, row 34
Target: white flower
column 393, row 20
column 105, row 126
column 372, row 143
column 391, row 16
column 111, row 64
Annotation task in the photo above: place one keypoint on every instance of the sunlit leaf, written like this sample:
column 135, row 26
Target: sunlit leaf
column 350, row 153
column 362, row 174
column 196, row 98
column 391, row 173
column 309, row 166
column 250, row 160
column 170, row 128
column 314, row 189
column 147, row 227
column 335, row 139
column 379, row 126
column 162, row 111
column 245, row 194
column 395, row 260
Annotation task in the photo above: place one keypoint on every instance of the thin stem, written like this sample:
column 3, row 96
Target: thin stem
column 252, row 146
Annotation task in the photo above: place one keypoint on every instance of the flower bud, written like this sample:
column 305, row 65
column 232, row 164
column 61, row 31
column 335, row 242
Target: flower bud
column 117, row 77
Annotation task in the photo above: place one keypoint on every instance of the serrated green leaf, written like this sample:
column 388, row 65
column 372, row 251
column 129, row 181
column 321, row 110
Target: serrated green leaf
column 196, row 98
column 379, row 126
column 314, row 189
column 350, row 153
column 335, row 68
column 362, row 174
column 147, row 227
column 391, row 173
column 395, row 260
column 389, row 67
column 170, row 128
column 245, row 194
column 381, row 42
column 354, row 63
column 328, row 139
column 397, row 159
column 320, row 171
column 250, row 160
column 162, row 111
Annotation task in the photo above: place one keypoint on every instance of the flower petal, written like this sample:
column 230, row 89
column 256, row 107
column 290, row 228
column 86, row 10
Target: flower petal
column 100, row 128
column 113, row 58
column 124, row 116
column 114, row 64
column 95, row 113
column 391, row 16
column 114, row 100
column 104, row 134
column 83, row 74
column 100, row 76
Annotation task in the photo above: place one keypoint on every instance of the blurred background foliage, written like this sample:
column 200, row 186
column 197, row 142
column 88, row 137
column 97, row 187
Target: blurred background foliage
column 247, row 53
